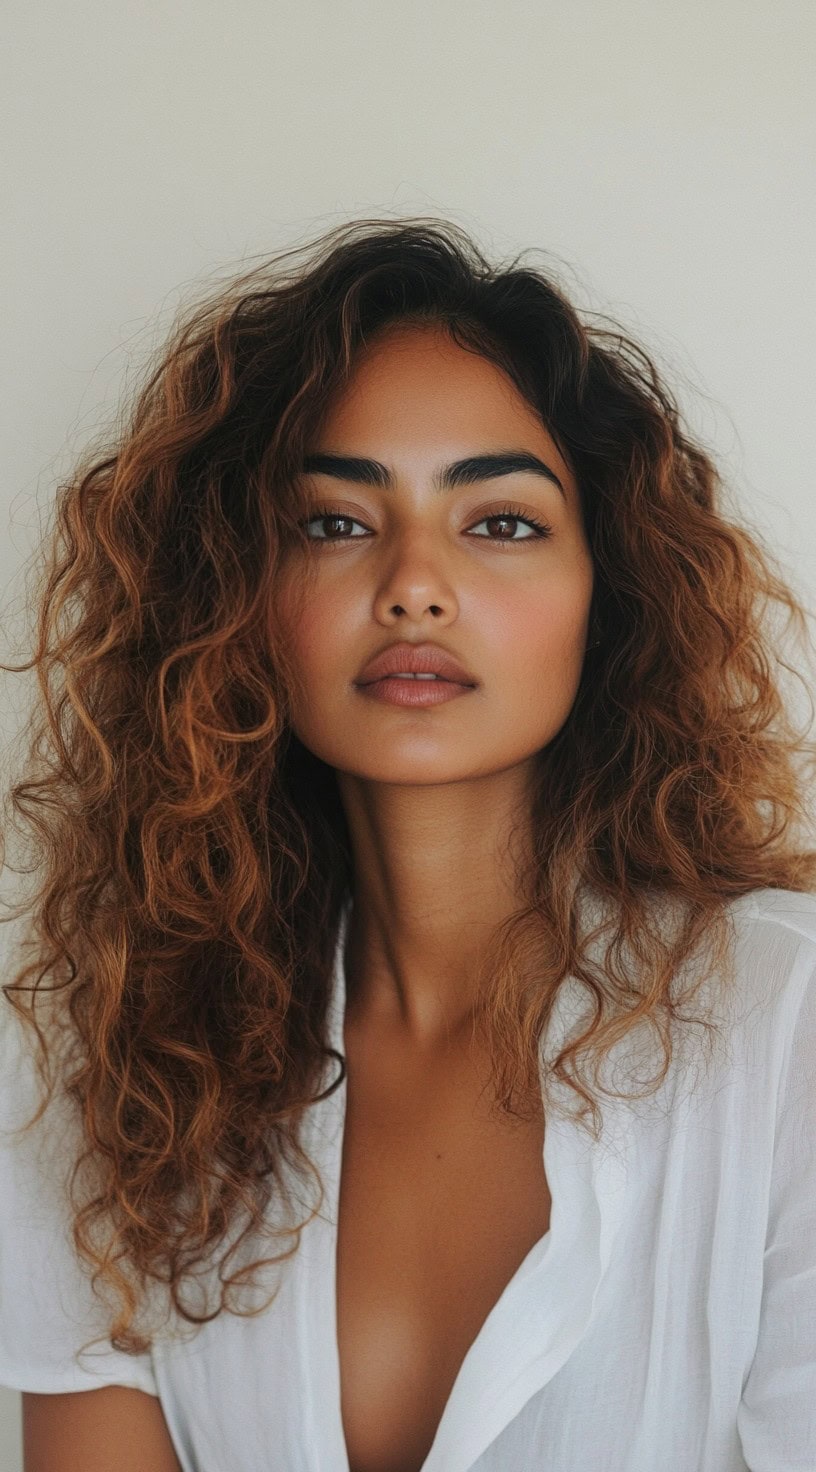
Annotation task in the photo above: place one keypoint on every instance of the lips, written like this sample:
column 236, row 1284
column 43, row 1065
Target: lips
column 415, row 659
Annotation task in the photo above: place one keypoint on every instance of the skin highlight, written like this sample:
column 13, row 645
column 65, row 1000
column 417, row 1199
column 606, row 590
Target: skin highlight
column 433, row 794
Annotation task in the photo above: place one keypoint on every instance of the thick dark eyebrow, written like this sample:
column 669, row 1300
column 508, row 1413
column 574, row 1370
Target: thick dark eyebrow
column 460, row 473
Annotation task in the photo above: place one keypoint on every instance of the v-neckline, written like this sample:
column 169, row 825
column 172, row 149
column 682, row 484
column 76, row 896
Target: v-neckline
column 541, row 1314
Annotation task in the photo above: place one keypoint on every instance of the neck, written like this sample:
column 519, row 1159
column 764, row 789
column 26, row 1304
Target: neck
column 435, row 873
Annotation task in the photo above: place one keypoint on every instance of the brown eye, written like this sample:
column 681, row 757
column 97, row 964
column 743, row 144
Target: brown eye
column 331, row 516
column 512, row 515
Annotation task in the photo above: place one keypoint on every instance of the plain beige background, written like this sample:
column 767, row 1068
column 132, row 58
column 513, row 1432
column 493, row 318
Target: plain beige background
column 661, row 156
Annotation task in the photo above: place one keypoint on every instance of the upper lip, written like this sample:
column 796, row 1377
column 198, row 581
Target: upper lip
column 416, row 659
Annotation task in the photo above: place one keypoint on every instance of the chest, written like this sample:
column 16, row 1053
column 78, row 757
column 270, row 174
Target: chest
column 440, row 1202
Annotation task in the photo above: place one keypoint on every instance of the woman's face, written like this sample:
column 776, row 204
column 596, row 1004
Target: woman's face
column 409, row 562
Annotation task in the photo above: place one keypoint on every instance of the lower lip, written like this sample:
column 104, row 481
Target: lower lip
column 414, row 692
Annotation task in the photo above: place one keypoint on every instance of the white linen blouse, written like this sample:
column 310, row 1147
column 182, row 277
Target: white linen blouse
column 666, row 1320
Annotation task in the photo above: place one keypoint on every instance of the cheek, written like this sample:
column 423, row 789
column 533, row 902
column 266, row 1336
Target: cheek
column 316, row 622
column 545, row 630
column 305, row 635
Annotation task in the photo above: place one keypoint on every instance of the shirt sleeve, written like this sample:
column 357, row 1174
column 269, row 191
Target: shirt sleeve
column 776, row 1418
column 48, row 1310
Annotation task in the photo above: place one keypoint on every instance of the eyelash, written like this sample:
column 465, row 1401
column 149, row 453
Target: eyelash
column 513, row 513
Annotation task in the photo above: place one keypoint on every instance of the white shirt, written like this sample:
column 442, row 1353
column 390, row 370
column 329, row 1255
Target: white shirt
column 666, row 1322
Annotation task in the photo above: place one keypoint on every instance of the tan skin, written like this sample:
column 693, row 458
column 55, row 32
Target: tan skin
column 431, row 795
column 115, row 1429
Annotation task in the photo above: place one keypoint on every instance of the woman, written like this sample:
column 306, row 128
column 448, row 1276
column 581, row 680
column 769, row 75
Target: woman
column 432, row 935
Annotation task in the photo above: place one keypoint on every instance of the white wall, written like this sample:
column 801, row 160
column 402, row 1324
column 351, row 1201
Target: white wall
column 661, row 154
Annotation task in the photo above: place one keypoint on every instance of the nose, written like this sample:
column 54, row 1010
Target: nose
column 416, row 579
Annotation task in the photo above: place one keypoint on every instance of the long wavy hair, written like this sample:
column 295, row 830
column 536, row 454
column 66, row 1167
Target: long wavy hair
column 193, row 858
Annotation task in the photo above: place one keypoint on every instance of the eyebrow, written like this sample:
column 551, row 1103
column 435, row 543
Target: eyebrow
column 465, row 472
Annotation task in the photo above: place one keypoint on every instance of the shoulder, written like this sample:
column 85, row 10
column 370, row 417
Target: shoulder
column 775, row 943
column 756, row 1002
column 778, row 910
column 771, row 997
column 49, row 1310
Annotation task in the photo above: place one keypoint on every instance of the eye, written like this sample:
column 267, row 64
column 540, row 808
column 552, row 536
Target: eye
column 323, row 514
column 507, row 514
column 514, row 513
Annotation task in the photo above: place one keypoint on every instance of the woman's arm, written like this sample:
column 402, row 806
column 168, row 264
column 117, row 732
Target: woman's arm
column 113, row 1429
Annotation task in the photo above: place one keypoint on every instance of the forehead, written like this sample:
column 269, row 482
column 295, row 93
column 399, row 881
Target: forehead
column 412, row 383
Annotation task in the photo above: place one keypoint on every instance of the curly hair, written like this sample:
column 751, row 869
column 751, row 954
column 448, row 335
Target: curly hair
column 193, row 858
